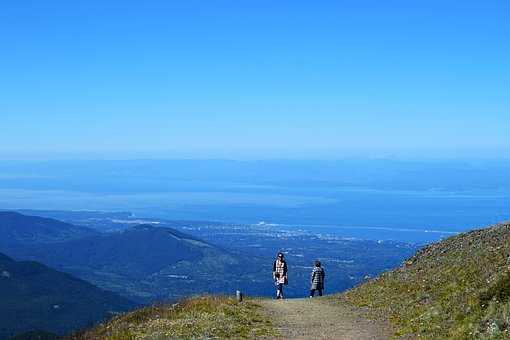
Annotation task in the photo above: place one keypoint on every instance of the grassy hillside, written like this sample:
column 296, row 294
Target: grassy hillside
column 457, row 288
column 35, row 297
column 198, row 318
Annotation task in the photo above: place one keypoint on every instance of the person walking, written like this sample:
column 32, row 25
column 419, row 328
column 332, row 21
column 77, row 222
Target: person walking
column 280, row 274
column 317, row 279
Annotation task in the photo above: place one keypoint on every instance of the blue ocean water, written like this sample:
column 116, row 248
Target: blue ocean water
column 415, row 202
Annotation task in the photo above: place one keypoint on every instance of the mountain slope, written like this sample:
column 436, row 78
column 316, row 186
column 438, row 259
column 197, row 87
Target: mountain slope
column 144, row 263
column 18, row 230
column 457, row 288
column 140, row 250
column 35, row 297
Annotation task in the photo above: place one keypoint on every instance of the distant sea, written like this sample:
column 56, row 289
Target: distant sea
column 414, row 201
column 364, row 214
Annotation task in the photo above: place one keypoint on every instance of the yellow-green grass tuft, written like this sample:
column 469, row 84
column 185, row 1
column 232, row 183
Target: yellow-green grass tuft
column 206, row 317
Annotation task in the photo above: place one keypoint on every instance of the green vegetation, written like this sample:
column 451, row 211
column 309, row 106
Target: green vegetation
column 35, row 297
column 455, row 289
column 499, row 291
column 202, row 317
column 145, row 263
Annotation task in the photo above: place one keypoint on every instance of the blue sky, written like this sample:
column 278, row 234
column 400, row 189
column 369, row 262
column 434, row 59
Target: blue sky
column 254, row 79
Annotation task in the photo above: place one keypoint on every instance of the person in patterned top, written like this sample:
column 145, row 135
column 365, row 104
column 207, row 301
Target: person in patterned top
column 280, row 274
column 317, row 279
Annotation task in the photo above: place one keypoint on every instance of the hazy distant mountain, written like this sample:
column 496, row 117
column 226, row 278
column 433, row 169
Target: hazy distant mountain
column 143, row 262
column 140, row 250
column 18, row 230
column 35, row 297
column 105, row 221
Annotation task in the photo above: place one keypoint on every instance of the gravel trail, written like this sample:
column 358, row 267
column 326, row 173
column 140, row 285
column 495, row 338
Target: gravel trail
column 322, row 318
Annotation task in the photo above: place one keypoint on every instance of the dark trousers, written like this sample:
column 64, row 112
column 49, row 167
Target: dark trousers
column 279, row 291
column 312, row 292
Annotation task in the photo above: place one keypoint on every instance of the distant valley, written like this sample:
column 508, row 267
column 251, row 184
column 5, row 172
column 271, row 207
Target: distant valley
column 167, row 260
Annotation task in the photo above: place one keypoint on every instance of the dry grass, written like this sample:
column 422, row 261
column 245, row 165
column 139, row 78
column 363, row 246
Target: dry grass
column 207, row 317
column 455, row 289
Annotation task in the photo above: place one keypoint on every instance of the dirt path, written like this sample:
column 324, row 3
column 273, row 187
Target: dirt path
column 322, row 318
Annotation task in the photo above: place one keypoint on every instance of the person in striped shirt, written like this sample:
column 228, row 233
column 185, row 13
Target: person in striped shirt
column 280, row 274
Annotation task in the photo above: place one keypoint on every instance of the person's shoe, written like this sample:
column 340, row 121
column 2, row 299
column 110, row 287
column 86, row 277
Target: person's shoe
column 311, row 296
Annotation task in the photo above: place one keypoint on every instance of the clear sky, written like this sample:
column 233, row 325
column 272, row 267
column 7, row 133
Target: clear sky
column 254, row 79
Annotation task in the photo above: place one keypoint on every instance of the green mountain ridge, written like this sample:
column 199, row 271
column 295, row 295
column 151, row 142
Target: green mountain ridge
column 144, row 263
column 35, row 297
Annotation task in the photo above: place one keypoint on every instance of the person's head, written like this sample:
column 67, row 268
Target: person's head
column 317, row 263
column 279, row 256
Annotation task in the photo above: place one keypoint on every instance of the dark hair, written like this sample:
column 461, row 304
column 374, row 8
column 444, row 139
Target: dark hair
column 280, row 254
column 317, row 263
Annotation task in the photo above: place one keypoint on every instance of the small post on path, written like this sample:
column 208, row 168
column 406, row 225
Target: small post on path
column 239, row 296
